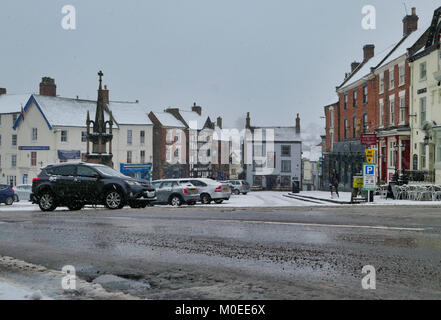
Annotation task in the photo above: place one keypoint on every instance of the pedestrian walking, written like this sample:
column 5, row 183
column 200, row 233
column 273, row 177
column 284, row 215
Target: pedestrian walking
column 334, row 183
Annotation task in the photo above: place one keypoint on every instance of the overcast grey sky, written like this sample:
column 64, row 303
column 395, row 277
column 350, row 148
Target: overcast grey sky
column 273, row 58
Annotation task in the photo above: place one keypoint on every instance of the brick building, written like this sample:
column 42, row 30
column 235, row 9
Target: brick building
column 372, row 99
column 169, row 153
column 188, row 144
column 393, row 76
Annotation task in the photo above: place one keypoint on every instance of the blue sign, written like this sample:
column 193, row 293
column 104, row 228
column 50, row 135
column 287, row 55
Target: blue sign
column 33, row 148
column 69, row 154
column 369, row 170
column 137, row 170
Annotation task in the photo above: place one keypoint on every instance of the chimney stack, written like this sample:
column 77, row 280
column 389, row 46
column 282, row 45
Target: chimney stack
column 368, row 52
column 248, row 121
column 219, row 122
column 298, row 124
column 106, row 94
column 410, row 23
column 354, row 65
column 196, row 109
column 2, row 91
column 48, row 87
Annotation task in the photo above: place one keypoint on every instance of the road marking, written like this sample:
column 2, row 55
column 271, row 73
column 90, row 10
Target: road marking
column 322, row 225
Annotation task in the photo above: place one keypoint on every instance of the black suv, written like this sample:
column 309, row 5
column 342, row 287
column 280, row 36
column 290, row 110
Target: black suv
column 74, row 185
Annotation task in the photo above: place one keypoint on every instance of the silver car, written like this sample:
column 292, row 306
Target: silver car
column 239, row 186
column 174, row 193
column 23, row 192
column 210, row 190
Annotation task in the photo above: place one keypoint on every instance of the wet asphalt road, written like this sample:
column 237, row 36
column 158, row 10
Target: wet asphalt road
column 253, row 253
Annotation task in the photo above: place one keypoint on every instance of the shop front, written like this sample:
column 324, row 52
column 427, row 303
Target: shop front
column 393, row 154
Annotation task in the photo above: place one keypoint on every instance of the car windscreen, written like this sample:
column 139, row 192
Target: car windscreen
column 110, row 172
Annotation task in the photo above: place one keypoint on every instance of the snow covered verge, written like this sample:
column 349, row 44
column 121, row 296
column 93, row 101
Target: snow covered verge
column 20, row 280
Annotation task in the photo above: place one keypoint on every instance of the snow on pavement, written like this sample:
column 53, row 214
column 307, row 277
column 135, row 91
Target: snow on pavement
column 252, row 199
column 13, row 291
column 346, row 197
column 20, row 280
column 262, row 199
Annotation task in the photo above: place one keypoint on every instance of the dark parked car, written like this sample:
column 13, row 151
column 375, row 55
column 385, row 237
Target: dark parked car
column 74, row 185
column 6, row 194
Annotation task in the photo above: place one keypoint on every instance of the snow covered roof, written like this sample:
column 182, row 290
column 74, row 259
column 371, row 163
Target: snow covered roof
column 365, row 69
column 283, row 133
column 409, row 42
column 168, row 120
column 194, row 117
column 129, row 113
column 12, row 103
column 390, row 53
column 67, row 111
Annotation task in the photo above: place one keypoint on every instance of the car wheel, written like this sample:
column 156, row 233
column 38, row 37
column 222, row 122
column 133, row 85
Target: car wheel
column 75, row 207
column 205, row 199
column 176, row 201
column 9, row 201
column 113, row 200
column 218, row 201
column 236, row 192
column 47, row 201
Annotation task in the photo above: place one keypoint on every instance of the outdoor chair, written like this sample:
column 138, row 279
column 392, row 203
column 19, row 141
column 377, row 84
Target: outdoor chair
column 436, row 193
column 383, row 191
column 424, row 193
column 402, row 192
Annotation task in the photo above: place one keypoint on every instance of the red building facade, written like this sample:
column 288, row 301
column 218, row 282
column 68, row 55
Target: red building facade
column 374, row 98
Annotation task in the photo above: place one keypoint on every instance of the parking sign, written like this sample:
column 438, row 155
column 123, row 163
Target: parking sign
column 369, row 176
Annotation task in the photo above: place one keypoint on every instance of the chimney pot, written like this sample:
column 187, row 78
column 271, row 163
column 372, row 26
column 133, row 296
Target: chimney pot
column 410, row 23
